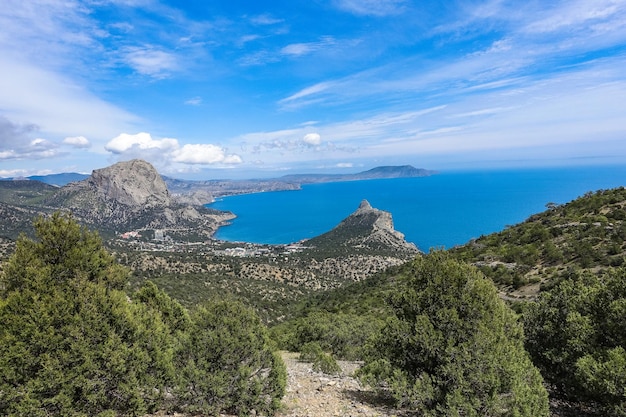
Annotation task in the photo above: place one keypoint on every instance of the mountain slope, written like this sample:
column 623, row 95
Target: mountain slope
column 367, row 229
column 24, row 192
column 132, row 195
column 587, row 233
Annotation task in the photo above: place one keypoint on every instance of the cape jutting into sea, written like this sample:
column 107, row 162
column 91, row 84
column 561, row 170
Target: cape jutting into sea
column 440, row 211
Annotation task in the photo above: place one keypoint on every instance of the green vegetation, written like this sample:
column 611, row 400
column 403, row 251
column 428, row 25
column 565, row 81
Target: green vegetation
column 587, row 233
column 344, row 335
column 227, row 364
column 72, row 343
column 24, row 192
column 322, row 361
column 576, row 334
column 453, row 347
column 82, row 335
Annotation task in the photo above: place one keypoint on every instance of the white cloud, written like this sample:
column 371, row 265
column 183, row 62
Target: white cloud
column 150, row 61
column 265, row 19
column 247, row 38
column 143, row 141
column 577, row 14
column 371, row 7
column 194, row 101
column 257, row 58
column 297, row 49
column 204, row 154
column 582, row 108
column 77, row 141
column 17, row 142
column 306, row 92
column 164, row 152
column 232, row 159
column 12, row 173
column 312, row 139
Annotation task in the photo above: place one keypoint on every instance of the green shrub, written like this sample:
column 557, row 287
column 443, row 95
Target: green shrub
column 453, row 347
column 227, row 363
column 342, row 334
column 73, row 344
column 310, row 351
column 326, row 364
column 70, row 342
column 576, row 335
column 322, row 362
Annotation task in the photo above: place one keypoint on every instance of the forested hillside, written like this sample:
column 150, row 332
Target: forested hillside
column 570, row 257
column 73, row 343
column 437, row 334
column 588, row 233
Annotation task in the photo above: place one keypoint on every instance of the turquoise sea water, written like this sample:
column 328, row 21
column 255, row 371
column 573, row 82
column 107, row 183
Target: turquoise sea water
column 442, row 210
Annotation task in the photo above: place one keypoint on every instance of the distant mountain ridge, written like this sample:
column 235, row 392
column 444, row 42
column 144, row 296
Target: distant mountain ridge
column 402, row 171
column 206, row 191
column 52, row 179
column 391, row 171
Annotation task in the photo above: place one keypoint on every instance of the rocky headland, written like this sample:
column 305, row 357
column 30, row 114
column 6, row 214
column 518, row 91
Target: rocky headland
column 168, row 239
column 133, row 195
column 367, row 228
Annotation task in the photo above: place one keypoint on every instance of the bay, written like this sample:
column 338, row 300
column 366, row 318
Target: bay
column 440, row 211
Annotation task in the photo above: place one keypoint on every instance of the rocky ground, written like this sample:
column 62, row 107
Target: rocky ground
column 314, row 394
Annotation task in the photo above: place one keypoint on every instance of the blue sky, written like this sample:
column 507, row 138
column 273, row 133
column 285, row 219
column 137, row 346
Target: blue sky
column 242, row 89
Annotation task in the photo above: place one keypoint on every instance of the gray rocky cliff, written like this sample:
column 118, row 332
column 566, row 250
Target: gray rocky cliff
column 133, row 183
column 367, row 228
column 133, row 195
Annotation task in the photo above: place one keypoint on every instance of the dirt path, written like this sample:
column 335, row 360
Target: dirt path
column 314, row 394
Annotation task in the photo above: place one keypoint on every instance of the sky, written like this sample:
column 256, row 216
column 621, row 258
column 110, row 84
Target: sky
column 249, row 89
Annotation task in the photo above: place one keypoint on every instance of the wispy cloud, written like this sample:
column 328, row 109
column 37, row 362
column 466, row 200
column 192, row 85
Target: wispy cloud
column 382, row 77
column 524, row 54
column 194, row 101
column 297, row 49
column 151, row 61
column 258, row 58
column 578, row 14
column 57, row 104
column 265, row 19
column 371, row 7
column 307, row 92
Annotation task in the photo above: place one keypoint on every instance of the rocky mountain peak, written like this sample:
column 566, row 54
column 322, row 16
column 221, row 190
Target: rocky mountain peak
column 364, row 206
column 367, row 227
column 131, row 183
column 132, row 195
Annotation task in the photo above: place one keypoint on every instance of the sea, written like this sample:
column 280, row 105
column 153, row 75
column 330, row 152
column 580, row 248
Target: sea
column 435, row 212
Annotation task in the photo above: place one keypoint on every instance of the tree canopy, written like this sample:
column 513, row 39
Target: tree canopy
column 453, row 347
column 576, row 334
column 72, row 343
